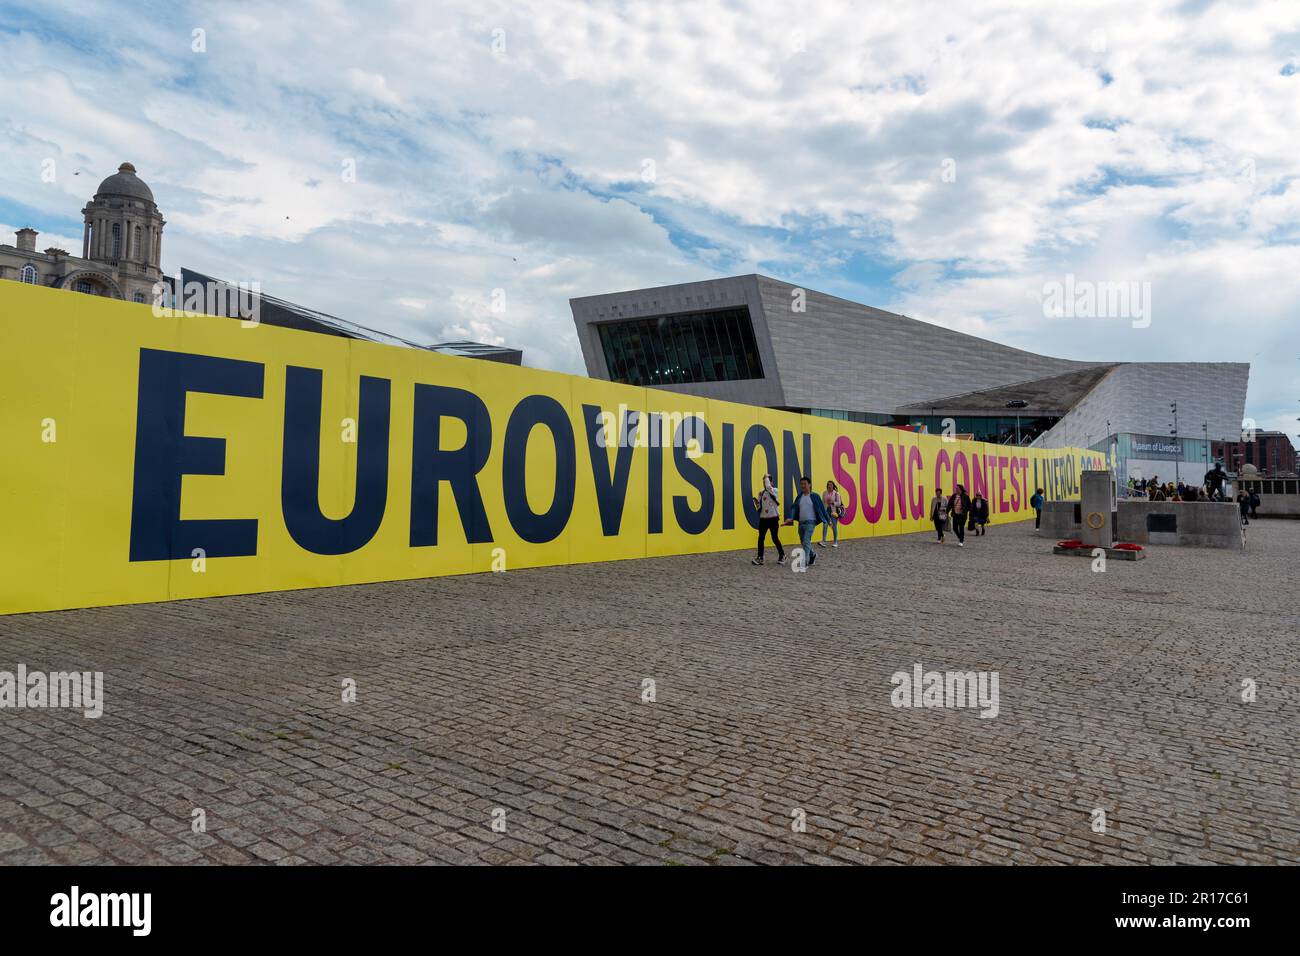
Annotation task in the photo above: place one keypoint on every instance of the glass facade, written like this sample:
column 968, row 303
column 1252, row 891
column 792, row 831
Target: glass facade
column 1001, row 429
column 714, row 346
column 1166, row 457
column 866, row 418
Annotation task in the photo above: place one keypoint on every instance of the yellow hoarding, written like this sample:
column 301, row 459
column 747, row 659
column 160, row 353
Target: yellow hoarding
column 149, row 458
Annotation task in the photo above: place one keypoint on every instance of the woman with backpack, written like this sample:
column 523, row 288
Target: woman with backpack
column 834, row 511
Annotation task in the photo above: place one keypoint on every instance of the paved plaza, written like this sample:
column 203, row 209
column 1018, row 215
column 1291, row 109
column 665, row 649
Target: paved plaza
column 501, row 718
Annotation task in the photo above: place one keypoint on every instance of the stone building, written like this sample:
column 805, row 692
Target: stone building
column 121, row 248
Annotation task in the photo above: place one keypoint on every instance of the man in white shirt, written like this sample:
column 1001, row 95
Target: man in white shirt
column 809, row 511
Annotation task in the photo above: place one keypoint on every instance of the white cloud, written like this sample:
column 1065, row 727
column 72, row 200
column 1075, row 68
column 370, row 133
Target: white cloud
column 503, row 144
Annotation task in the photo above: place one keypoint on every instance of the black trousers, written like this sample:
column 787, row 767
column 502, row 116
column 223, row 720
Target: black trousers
column 1038, row 516
column 939, row 525
column 764, row 526
column 959, row 526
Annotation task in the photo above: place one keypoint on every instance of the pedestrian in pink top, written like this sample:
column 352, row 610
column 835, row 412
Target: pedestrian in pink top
column 834, row 511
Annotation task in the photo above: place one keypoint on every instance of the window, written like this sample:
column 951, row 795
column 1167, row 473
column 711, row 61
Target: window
column 117, row 241
column 28, row 275
column 83, row 285
column 137, row 297
column 715, row 346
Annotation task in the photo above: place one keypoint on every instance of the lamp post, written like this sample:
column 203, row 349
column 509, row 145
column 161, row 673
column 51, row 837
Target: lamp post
column 1110, row 451
column 1205, row 427
column 1173, row 430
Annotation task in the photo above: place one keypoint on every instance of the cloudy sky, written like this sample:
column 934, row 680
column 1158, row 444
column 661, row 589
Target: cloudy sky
column 942, row 163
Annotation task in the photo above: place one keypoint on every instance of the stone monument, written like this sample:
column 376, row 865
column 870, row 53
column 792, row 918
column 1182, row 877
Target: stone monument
column 1098, row 514
column 1097, row 508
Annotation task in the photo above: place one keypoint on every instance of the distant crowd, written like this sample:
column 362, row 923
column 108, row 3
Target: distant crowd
column 1214, row 488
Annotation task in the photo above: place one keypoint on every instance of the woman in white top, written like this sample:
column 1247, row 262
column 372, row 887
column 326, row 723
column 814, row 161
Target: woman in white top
column 769, row 519
column 834, row 510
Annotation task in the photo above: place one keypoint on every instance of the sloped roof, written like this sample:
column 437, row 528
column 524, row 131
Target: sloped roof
column 1050, row 395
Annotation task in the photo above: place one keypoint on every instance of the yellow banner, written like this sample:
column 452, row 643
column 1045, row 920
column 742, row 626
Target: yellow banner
column 153, row 458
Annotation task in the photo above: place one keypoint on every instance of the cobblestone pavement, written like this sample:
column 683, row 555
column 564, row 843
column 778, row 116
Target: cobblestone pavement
column 522, row 692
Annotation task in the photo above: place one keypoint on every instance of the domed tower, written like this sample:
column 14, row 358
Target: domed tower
column 124, row 234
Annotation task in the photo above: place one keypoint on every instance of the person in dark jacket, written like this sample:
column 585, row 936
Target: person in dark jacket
column 979, row 514
column 1254, row 504
column 808, row 511
column 1243, row 505
column 1036, row 503
column 1214, row 479
column 959, row 508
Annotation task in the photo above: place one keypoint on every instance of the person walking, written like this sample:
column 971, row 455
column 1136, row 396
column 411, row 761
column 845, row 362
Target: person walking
column 809, row 511
column 1037, row 503
column 979, row 514
column 769, row 520
column 1254, row 503
column 1243, row 505
column 959, row 508
column 939, row 512
column 834, row 511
